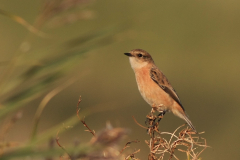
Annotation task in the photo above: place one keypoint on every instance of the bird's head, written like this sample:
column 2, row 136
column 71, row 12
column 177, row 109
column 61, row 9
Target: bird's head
column 139, row 58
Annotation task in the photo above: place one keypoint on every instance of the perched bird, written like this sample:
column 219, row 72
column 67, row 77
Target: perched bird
column 154, row 86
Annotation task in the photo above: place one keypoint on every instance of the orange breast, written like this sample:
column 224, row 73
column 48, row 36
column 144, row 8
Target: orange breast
column 152, row 93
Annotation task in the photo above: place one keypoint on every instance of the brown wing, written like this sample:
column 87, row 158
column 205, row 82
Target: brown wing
column 158, row 77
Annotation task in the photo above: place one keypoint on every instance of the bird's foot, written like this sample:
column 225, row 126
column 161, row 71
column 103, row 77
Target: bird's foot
column 160, row 115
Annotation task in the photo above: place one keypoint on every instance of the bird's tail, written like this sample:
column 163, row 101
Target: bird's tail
column 189, row 123
column 184, row 116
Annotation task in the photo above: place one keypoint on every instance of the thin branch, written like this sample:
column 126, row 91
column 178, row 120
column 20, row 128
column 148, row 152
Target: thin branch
column 132, row 155
column 128, row 143
column 175, row 132
column 138, row 123
column 203, row 148
column 57, row 140
column 82, row 120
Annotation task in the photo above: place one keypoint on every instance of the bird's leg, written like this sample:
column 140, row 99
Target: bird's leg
column 162, row 112
column 160, row 115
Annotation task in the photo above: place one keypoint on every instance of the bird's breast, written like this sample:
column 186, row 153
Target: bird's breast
column 151, row 92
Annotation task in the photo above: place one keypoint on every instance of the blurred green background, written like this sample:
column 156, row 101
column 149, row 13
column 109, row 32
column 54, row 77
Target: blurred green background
column 195, row 44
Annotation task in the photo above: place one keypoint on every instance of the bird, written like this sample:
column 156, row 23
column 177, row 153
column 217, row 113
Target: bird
column 154, row 86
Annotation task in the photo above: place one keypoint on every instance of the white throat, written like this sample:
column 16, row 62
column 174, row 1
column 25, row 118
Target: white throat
column 135, row 64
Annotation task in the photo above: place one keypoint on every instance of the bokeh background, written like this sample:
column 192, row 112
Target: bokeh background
column 195, row 44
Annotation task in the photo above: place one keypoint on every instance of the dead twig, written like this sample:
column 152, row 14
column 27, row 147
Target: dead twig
column 132, row 156
column 159, row 146
column 82, row 120
column 126, row 145
column 57, row 140
column 138, row 123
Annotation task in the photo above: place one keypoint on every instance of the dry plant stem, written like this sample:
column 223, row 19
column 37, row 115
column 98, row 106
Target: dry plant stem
column 138, row 123
column 173, row 134
column 57, row 140
column 82, row 120
column 185, row 139
column 126, row 145
column 159, row 146
column 151, row 131
column 132, row 155
column 203, row 148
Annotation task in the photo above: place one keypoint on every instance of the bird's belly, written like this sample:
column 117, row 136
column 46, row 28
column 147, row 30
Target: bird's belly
column 153, row 94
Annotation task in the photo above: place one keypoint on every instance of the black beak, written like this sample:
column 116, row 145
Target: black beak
column 128, row 54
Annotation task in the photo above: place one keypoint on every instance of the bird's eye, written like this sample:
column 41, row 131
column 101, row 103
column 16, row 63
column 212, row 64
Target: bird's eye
column 139, row 55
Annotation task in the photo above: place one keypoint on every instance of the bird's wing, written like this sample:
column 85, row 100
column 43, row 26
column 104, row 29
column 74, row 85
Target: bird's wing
column 158, row 77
